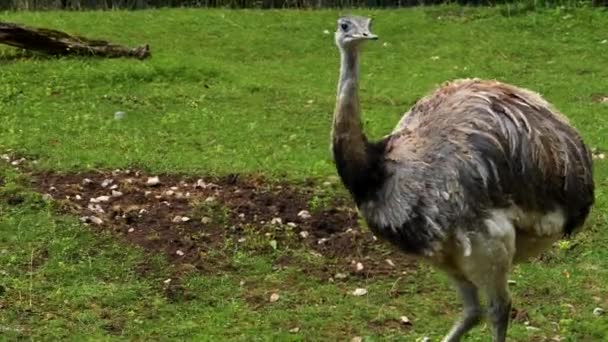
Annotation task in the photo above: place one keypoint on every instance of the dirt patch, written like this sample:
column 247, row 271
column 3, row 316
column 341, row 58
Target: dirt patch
column 381, row 326
column 600, row 98
column 196, row 223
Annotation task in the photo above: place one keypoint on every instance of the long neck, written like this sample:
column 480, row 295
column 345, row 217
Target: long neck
column 356, row 159
column 347, row 131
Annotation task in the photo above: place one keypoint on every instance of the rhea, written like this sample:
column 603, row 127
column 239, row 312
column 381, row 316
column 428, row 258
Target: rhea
column 477, row 176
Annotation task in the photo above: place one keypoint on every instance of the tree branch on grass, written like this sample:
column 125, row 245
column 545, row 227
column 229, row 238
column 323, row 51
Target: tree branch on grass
column 59, row 43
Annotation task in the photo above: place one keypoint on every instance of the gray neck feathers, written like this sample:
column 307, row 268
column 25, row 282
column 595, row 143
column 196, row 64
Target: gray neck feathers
column 349, row 73
column 347, row 127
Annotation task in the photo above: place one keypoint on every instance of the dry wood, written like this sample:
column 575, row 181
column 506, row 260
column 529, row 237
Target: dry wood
column 55, row 42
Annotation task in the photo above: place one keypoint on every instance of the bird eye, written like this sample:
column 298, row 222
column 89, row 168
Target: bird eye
column 344, row 26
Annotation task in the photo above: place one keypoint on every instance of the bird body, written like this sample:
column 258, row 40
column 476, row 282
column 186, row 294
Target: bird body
column 473, row 149
column 476, row 176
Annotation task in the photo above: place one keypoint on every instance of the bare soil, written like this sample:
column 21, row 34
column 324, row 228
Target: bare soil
column 196, row 223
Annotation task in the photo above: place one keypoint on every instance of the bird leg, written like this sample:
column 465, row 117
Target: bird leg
column 499, row 312
column 471, row 314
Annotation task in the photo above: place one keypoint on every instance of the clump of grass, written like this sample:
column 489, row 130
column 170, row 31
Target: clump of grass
column 211, row 211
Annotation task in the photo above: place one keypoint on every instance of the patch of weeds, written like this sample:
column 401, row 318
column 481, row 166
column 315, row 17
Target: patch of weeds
column 321, row 199
column 210, row 211
column 14, row 194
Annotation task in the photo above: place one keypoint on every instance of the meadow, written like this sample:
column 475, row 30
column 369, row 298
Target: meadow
column 242, row 100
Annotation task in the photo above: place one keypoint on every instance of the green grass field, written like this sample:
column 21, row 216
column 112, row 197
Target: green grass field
column 252, row 92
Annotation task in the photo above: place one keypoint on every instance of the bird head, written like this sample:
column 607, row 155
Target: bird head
column 352, row 30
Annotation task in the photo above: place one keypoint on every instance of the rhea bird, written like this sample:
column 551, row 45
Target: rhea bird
column 476, row 176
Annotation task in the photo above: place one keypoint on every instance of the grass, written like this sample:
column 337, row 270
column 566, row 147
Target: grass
column 253, row 91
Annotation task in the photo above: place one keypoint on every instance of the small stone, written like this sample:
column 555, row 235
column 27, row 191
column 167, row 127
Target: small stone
column 119, row 115
column 174, row 188
column 169, row 193
column 356, row 339
column 114, row 187
column 359, row 292
column 294, row 330
column 87, row 181
column 359, row 267
column 84, row 219
column 242, row 283
column 142, row 211
column 316, row 254
column 598, row 311
column 341, row 276
column 511, row 282
column 241, row 240
column 185, row 219
column 167, row 281
column 601, row 156
column 291, row 224
column 52, row 189
column 532, row 328
column 304, row 214
column 153, row 181
column 100, row 199
column 96, row 220
column 78, row 197
column 242, row 216
column 276, row 220
column 179, row 252
column 96, row 208
column 116, row 193
column 131, row 230
column 304, row 234
column 273, row 244
column 177, row 219
column 390, row 262
column 206, row 220
column 5, row 157
column 274, row 297
column 106, row 182
column 322, row 241
column 405, row 320
column 147, row 193
column 210, row 199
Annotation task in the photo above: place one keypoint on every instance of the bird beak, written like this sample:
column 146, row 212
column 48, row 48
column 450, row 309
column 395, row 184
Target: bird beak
column 367, row 35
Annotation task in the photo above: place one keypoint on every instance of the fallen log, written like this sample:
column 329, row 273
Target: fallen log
column 59, row 43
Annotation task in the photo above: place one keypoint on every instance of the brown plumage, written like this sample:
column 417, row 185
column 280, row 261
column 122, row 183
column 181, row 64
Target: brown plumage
column 526, row 130
column 477, row 175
